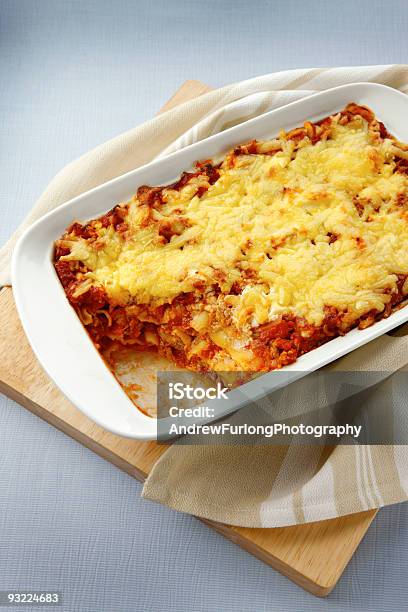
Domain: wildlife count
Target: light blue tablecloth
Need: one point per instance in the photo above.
(73, 74)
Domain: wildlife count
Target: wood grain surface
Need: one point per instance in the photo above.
(313, 556)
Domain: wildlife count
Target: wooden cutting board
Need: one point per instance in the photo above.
(314, 556)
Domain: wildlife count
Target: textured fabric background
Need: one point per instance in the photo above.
(73, 74)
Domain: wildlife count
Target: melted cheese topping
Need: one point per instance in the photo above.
(286, 223)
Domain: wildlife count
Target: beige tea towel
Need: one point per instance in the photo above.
(252, 486)
(275, 486)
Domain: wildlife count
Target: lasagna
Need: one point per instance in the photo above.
(249, 261)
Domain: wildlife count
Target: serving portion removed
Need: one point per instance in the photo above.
(251, 260)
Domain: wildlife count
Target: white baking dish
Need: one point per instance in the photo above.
(53, 328)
